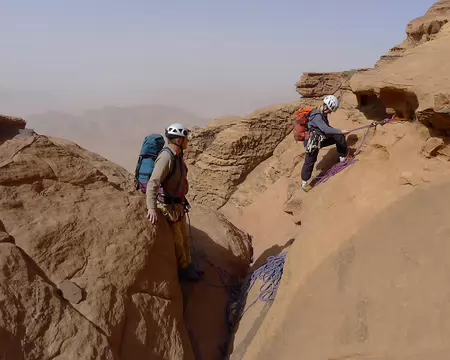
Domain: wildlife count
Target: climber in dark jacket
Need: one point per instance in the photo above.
(322, 134)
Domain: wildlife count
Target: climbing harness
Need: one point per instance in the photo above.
(314, 142)
(350, 160)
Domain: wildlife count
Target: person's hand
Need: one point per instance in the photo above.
(152, 215)
(345, 131)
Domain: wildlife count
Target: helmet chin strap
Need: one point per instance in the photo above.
(179, 146)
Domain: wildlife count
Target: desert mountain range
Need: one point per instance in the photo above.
(113, 132)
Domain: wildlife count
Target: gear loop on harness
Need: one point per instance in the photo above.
(314, 142)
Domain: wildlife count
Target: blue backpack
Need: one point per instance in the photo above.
(151, 147)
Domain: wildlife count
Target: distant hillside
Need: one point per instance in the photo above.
(113, 132)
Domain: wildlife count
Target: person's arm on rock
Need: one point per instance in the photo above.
(159, 174)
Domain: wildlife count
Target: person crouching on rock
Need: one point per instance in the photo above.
(166, 192)
(321, 135)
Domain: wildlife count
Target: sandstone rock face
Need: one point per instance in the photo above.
(226, 120)
(442, 103)
(328, 305)
(432, 147)
(389, 278)
(12, 122)
(71, 215)
(416, 84)
(319, 84)
(322, 84)
(75, 247)
(224, 254)
(10, 126)
(426, 27)
(4, 236)
(420, 30)
(286, 156)
(35, 323)
(222, 156)
(220, 241)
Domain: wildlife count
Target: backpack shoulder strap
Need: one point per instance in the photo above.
(172, 169)
(136, 172)
(313, 113)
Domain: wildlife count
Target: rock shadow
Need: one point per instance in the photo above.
(241, 348)
(207, 304)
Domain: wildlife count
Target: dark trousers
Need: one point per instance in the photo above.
(310, 159)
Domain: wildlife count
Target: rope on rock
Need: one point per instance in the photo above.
(336, 169)
(238, 289)
(270, 274)
(349, 160)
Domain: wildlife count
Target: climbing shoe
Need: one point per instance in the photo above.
(190, 273)
(306, 187)
(342, 158)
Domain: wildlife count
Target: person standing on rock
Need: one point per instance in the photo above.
(166, 194)
(321, 135)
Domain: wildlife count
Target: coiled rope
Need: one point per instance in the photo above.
(270, 274)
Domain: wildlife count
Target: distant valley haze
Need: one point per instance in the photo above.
(113, 132)
(105, 73)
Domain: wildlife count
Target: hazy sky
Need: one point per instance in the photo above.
(212, 57)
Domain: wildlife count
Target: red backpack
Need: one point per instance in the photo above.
(300, 123)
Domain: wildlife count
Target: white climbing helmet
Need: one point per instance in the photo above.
(177, 130)
(331, 102)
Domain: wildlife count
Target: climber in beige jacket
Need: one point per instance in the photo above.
(166, 194)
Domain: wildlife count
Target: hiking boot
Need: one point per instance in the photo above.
(189, 273)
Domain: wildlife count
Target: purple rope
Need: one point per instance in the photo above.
(336, 169)
(385, 121)
(361, 128)
(270, 274)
